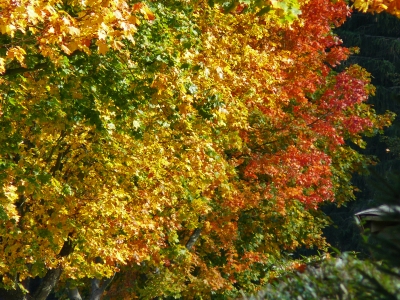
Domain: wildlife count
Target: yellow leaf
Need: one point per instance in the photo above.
(10, 193)
(148, 14)
(117, 45)
(72, 46)
(31, 12)
(119, 257)
(16, 52)
(2, 65)
(134, 20)
(65, 49)
(73, 30)
(102, 47)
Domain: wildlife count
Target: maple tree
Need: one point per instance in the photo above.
(185, 143)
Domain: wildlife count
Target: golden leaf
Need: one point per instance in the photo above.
(66, 49)
(102, 47)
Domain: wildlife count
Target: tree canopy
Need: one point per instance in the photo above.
(191, 141)
(378, 6)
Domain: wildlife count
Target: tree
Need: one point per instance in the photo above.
(195, 156)
(376, 37)
(376, 276)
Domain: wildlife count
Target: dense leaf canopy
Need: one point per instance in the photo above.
(378, 6)
(188, 141)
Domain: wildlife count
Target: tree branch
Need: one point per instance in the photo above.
(99, 286)
(49, 281)
(195, 235)
(73, 294)
(67, 248)
(193, 238)
(23, 70)
(58, 165)
(52, 276)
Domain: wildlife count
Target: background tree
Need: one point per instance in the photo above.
(376, 37)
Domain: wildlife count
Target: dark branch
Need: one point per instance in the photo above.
(99, 286)
(49, 282)
(23, 70)
(73, 294)
(193, 238)
(53, 275)
(195, 235)
(67, 248)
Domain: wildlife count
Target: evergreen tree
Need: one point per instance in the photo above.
(378, 39)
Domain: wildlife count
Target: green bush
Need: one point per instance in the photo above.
(344, 277)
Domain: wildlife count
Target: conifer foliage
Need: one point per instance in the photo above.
(187, 143)
(377, 37)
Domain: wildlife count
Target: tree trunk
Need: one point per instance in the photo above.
(99, 287)
(48, 283)
(73, 294)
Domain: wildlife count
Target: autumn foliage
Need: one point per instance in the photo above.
(182, 144)
(378, 6)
